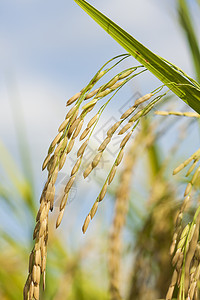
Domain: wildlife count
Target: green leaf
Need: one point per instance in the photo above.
(186, 22)
(186, 90)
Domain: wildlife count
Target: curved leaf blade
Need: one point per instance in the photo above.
(183, 88)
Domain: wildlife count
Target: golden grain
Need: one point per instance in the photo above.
(73, 127)
(90, 104)
(192, 168)
(38, 257)
(47, 159)
(71, 111)
(56, 139)
(34, 273)
(64, 201)
(38, 272)
(31, 290)
(91, 94)
(36, 291)
(51, 196)
(76, 166)
(117, 84)
(82, 148)
(73, 99)
(112, 82)
(112, 174)
(62, 160)
(188, 189)
(70, 145)
(195, 176)
(96, 159)
(86, 223)
(78, 129)
(113, 128)
(176, 257)
(65, 141)
(87, 171)
(136, 116)
(125, 139)
(54, 175)
(103, 191)
(69, 184)
(74, 116)
(35, 232)
(52, 164)
(178, 169)
(125, 74)
(125, 128)
(63, 125)
(94, 209)
(84, 134)
(143, 99)
(174, 113)
(87, 110)
(92, 121)
(119, 157)
(127, 112)
(99, 75)
(31, 259)
(104, 144)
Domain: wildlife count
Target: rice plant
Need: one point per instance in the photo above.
(92, 101)
(170, 224)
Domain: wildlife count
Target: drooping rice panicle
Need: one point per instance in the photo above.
(177, 113)
(185, 240)
(194, 157)
(104, 188)
(113, 129)
(194, 273)
(187, 194)
(62, 145)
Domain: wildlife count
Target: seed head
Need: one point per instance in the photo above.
(71, 111)
(59, 219)
(94, 209)
(88, 171)
(69, 184)
(112, 174)
(96, 159)
(91, 94)
(76, 166)
(63, 125)
(92, 121)
(70, 145)
(125, 139)
(82, 148)
(84, 134)
(73, 99)
(143, 99)
(104, 144)
(103, 191)
(89, 104)
(125, 128)
(86, 223)
(78, 129)
(113, 128)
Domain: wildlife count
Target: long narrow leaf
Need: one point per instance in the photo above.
(183, 88)
(186, 22)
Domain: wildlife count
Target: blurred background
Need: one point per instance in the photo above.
(50, 51)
